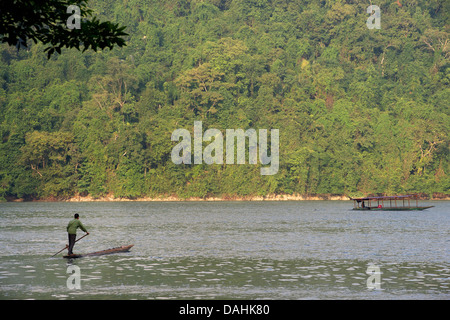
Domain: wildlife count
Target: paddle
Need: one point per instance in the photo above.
(68, 245)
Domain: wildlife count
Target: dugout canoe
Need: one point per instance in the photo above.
(100, 253)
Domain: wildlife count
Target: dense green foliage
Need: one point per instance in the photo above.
(359, 110)
(47, 21)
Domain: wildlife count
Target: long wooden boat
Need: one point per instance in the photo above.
(99, 253)
(389, 203)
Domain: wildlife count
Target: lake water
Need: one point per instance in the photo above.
(226, 250)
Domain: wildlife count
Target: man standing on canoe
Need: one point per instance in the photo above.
(72, 231)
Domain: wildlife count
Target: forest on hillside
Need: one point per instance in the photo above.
(359, 110)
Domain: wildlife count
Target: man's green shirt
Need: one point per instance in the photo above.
(73, 225)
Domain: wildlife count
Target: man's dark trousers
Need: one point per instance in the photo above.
(71, 242)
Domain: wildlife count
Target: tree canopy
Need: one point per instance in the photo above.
(359, 110)
(47, 21)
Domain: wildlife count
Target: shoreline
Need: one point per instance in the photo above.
(211, 199)
(272, 197)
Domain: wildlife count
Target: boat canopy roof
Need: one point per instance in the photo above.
(399, 197)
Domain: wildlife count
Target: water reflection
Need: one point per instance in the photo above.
(126, 276)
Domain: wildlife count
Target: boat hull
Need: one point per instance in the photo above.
(393, 209)
(100, 253)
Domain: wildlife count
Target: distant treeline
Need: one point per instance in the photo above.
(358, 110)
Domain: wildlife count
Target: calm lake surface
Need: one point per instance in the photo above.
(226, 250)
